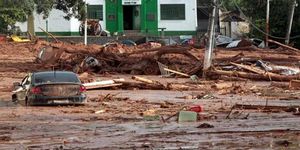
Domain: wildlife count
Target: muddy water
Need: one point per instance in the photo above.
(70, 127)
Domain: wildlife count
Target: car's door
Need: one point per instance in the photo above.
(24, 88)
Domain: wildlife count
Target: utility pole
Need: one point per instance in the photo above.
(291, 18)
(211, 43)
(85, 24)
(47, 29)
(268, 23)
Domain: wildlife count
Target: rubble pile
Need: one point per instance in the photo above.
(237, 62)
(257, 64)
(114, 57)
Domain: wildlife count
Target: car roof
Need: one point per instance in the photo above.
(53, 72)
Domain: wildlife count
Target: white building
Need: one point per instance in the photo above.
(175, 17)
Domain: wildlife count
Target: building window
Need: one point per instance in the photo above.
(172, 11)
(95, 12)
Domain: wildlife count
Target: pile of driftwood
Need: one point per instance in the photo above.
(248, 62)
(281, 64)
(115, 57)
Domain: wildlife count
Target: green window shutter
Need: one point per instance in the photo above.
(172, 11)
(95, 12)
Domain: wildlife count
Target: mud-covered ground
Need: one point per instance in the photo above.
(122, 126)
(113, 118)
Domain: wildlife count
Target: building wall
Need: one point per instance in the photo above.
(57, 24)
(190, 22)
(149, 16)
(235, 30)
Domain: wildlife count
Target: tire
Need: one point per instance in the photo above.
(14, 98)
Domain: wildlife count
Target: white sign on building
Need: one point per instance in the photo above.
(131, 2)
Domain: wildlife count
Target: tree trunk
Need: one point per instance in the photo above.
(30, 24)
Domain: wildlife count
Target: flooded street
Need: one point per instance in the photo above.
(72, 127)
(236, 115)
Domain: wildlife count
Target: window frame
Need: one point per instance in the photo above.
(94, 9)
(180, 10)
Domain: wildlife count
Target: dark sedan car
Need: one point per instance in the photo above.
(51, 87)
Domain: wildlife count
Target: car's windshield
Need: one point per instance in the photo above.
(53, 77)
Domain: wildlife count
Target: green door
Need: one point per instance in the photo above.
(114, 16)
(149, 17)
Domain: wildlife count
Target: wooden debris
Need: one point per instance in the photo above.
(102, 84)
(250, 68)
(176, 72)
(220, 86)
(146, 80)
(266, 76)
(285, 46)
(283, 85)
(294, 84)
(264, 107)
(137, 85)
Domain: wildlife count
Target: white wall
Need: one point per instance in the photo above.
(57, 23)
(75, 23)
(237, 30)
(190, 22)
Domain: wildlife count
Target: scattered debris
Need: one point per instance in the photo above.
(196, 108)
(284, 143)
(103, 84)
(294, 84)
(265, 107)
(205, 125)
(187, 116)
(297, 112)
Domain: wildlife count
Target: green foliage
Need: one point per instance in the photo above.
(72, 8)
(44, 7)
(255, 10)
(69, 7)
(12, 11)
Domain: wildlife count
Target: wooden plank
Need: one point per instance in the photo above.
(102, 86)
(176, 72)
(144, 80)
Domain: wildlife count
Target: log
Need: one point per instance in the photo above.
(285, 46)
(254, 76)
(102, 84)
(263, 107)
(176, 51)
(176, 72)
(250, 68)
(261, 72)
(165, 48)
(148, 81)
(128, 85)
